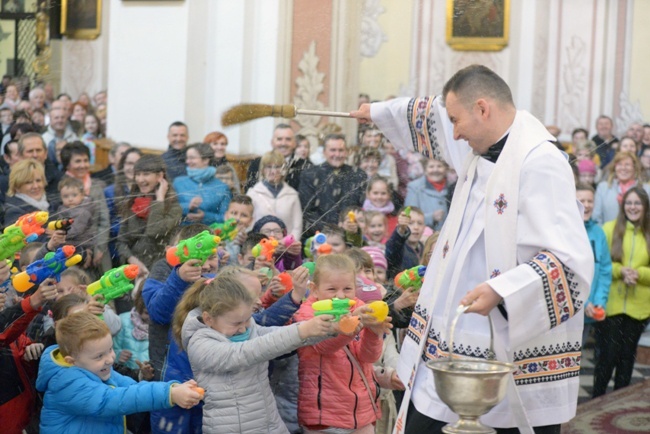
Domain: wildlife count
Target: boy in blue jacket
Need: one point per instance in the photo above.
(602, 261)
(82, 392)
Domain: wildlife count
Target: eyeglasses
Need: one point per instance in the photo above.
(272, 232)
(273, 167)
(630, 203)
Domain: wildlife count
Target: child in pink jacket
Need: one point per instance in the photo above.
(333, 393)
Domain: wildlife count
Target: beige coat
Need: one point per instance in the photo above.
(286, 206)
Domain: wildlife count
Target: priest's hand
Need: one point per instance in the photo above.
(481, 299)
(363, 114)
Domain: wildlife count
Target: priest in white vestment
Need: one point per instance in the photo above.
(514, 247)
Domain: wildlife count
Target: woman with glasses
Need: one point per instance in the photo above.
(273, 196)
(628, 305)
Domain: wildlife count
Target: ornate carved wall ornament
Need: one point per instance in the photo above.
(573, 86)
(630, 112)
(372, 36)
(309, 87)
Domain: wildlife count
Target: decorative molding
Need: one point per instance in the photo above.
(80, 66)
(372, 36)
(462, 59)
(309, 87)
(573, 95)
(630, 112)
(538, 107)
(437, 74)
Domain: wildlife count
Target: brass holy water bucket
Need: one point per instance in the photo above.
(470, 387)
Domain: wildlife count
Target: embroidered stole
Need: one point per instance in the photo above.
(501, 207)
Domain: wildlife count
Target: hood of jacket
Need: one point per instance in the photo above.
(191, 325)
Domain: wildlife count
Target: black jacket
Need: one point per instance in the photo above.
(325, 191)
(106, 175)
(175, 162)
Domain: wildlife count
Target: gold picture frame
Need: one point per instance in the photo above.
(81, 19)
(478, 25)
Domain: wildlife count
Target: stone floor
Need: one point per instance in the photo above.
(641, 372)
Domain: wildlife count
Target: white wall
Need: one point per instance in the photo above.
(147, 61)
(190, 61)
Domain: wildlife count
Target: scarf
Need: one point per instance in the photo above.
(386, 209)
(439, 186)
(141, 206)
(274, 189)
(140, 328)
(241, 337)
(201, 176)
(86, 182)
(41, 204)
(623, 187)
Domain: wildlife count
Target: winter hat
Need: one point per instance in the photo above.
(269, 219)
(587, 166)
(378, 258)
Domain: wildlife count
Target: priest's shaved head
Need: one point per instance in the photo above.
(477, 81)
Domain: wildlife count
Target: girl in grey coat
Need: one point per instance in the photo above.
(229, 355)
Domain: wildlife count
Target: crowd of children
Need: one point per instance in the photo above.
(236, 339)
(224, 341)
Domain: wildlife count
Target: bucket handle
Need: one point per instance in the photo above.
(459, 311)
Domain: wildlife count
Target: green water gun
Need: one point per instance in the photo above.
(411, 279)
(114, 283)
(200, 246)
(226, 230)
(336, 307)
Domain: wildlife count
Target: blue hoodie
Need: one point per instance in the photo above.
(77, 401)
(603, 266)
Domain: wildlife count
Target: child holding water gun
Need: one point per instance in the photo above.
(403, 249)
(229, 354)
(285, 257)
(84, 394)
(352, 220)
(339, 369)
(241, 210)
(17, 356)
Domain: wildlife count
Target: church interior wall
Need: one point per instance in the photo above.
(567, 62)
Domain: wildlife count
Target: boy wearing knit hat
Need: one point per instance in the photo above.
(379, 261)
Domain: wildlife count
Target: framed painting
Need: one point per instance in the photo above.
(478, 25)
(81, 19)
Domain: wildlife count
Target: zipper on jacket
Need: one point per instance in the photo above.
(630, 265)
(320, 388)
(356, 397)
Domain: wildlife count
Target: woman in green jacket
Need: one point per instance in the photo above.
(628, 306)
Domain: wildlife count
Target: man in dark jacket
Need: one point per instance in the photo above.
(284, 142)
(174, 157)
(107, 174)
(330, 187)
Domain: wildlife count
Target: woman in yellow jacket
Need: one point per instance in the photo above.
(628, 306)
